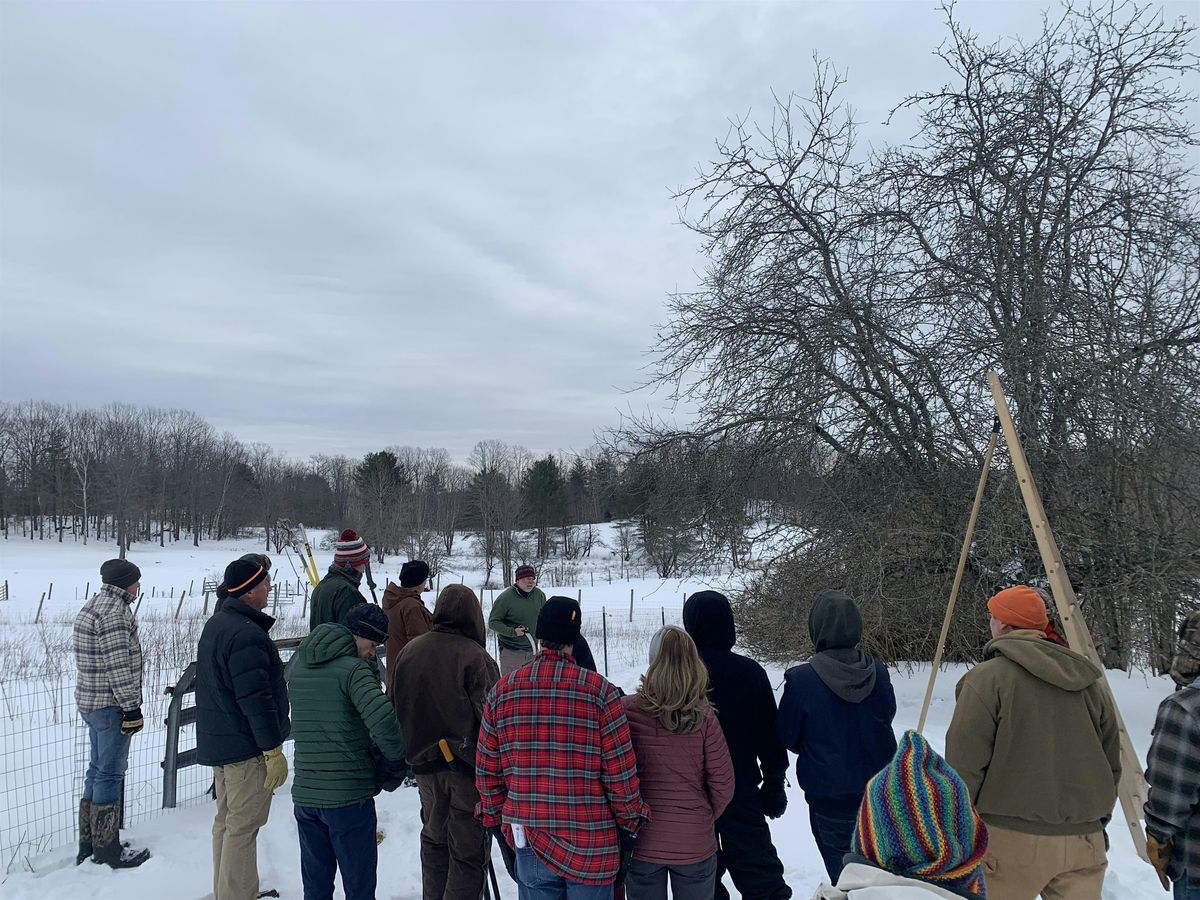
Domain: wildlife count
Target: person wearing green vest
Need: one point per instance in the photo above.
(348, 746)
(514, 619)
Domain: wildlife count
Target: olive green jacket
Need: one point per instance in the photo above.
(512, 608)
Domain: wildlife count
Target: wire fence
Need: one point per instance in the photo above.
(44, 742)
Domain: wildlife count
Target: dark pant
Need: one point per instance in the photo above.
(341, 837)
(1186, 888)
(747, 853)
(109, 755)
(536, 881)
(453, 841)
(832, 834)
(648, 880)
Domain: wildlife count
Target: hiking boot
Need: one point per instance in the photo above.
(85, 831)
(106, 839)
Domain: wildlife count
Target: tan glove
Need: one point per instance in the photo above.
(1160, 855)
(277, 769)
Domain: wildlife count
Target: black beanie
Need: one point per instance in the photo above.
(366, 620)
(241, 575)
(120, 573)
(559, 621)
(414, 573)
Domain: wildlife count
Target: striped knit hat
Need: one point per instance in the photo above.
(350, 549)
(917, 821)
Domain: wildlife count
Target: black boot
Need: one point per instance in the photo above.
(85, 831)
(106, 840)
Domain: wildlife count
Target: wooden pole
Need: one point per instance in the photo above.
(1131, 790)
(958, 573)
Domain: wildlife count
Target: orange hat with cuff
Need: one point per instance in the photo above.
(1020, 607)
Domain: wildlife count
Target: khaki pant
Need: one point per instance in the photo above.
(243, 804)
(1022, 866)
(453, 842)
(511, 660)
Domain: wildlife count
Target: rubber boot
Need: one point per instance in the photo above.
(85, 831)
(106, 839)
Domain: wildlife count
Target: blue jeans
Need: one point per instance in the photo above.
(1186, 888)
(832, 834)
(340, 837)
(109, 755)
(535, 881)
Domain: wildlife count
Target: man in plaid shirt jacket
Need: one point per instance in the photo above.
(555, 767)
(1173, 771)
(108, 694)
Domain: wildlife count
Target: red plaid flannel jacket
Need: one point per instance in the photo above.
(555, 755)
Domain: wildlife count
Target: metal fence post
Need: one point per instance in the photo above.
(604, 633)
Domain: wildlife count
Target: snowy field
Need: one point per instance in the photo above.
(43, 747)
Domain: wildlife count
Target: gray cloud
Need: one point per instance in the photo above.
(337, 226)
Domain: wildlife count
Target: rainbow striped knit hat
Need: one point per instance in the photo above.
(917, 820)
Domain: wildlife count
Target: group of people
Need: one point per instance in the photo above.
(588, 792)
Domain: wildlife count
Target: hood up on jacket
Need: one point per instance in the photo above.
(394, 593)
(708, 618)
(835, 627)
(327, 642)
(1045, 660)
(458, 612)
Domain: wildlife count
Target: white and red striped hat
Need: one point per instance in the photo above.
(350, 549)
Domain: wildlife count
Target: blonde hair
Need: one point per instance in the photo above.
(674, 689)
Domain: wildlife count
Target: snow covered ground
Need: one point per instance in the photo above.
(179, 839)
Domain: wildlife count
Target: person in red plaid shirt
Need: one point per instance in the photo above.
(555, 767)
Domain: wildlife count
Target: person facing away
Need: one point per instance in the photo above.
(108, 695)
(337, 593)
(514, 618)
(241, 724)
(340, 720)
(685, 773)
(745, 706)
(836, 716)
(406, 614)
(1173, 773)
(440, 682)
(555, 768)
(222, 591)
(1034, 736)
(916, 837)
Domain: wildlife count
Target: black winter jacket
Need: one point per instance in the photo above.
(241, 698)
(583, 654)
(741, 693)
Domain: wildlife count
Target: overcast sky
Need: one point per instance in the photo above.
(335, 227)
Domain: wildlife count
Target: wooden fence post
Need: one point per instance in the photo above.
(179, 605)
(37, 617)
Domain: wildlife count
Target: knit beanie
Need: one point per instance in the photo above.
(524, 572)
(1020, 607)
(350, 549)
(414, 573)
(120, 573)
(917, 821)
(260, 559)
(366, 620)
(559, 621)
(242, 575)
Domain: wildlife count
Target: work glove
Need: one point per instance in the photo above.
(277, 768)
(626, 840)
(132, 721)
(1160, 856)
(772, 798)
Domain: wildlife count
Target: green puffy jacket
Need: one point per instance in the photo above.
(334, 596)
(338, 713)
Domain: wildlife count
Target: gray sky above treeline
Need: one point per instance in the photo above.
(337, 226)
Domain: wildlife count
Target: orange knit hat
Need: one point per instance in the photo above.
(1020, 607)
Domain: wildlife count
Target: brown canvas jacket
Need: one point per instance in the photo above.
(441, 680)
(1034, 736)
(407, 619)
